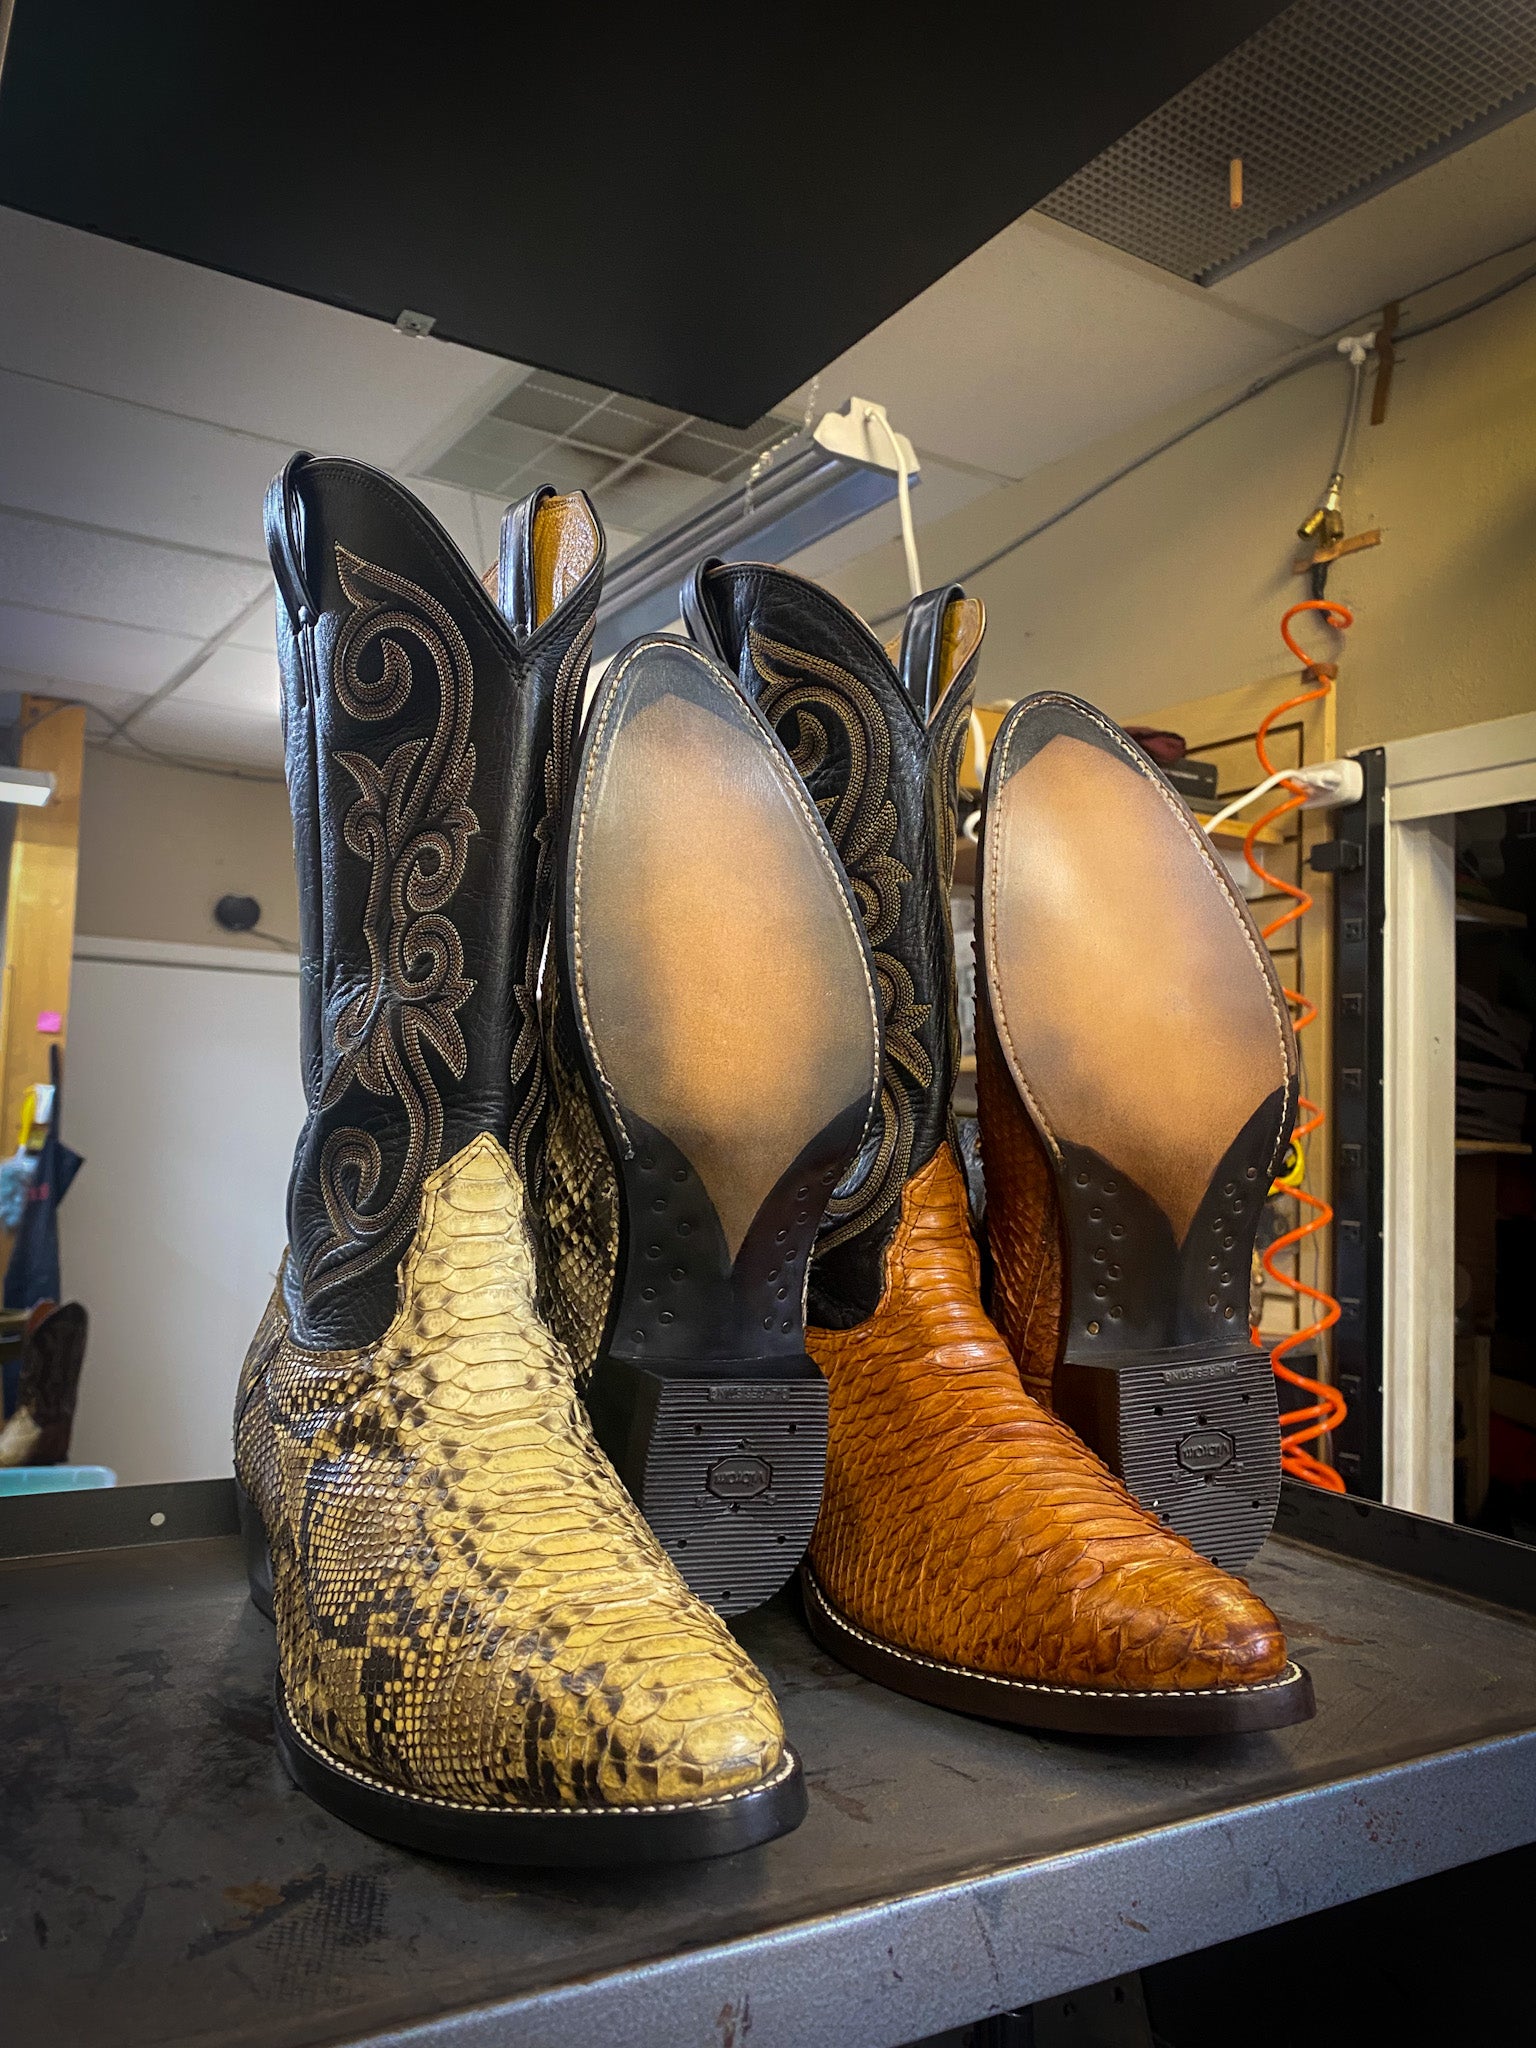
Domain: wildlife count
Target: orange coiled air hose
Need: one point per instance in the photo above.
(1301, 1426)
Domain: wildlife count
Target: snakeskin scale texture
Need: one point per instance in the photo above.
(469, 1607)
(963, 1522)
(1023, 1217)
(580, 1215)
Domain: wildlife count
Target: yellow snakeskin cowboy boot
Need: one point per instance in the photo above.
(482, 1649)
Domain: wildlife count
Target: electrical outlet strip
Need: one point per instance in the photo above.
(1330, 784)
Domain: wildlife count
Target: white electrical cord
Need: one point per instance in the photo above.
(1328, 785)
(873, 416)
(1241, 803)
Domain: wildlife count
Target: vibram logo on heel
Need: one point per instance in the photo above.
(1207, 1452)
(739, 1478)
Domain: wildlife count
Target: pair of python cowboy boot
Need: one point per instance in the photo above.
(483, 1649)
(972, 1549)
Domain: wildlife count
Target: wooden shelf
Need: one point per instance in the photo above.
(1467, 1148)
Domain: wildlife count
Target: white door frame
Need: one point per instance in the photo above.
(1428, 779)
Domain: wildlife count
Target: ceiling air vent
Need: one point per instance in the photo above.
(644, 465)
(1333, 101)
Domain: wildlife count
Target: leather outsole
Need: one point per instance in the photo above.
(1075, 1710)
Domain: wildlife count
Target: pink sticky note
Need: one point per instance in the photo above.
(50, 1021)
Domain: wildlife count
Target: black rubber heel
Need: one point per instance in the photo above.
(258, 1553)
(725, 1461)
(1196, 1439)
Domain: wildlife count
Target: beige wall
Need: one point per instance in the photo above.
(1171, 585)
(160, 845)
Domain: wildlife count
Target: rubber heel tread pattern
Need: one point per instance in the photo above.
(1197, 1443)
(727, 1471)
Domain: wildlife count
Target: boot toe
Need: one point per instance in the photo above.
(1187, 1626)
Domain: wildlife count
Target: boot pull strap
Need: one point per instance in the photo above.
(518, 597)
(697, 612)
(283, 517)
(922, 648)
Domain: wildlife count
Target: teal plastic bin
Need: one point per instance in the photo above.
(53, 1478)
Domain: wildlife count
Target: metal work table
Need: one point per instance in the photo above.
(163, 1883)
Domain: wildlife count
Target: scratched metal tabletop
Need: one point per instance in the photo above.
(162, 1882)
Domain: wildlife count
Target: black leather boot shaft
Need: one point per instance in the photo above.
(418, 726)
(879, 747)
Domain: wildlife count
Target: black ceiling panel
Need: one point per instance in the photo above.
(701, 209)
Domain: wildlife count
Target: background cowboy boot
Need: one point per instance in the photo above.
(717, 1008)
(37, 1433)
(482, 1648)
(1137, 1084)
(971, 1549)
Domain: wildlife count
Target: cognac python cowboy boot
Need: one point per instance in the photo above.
(971, 1550)
(1136, 1075)
(483, 1651)
(716, 1057)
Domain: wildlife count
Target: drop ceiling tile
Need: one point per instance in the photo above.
(112, 702)
(1042, 342)
(660, 416)
(235, 678)
(568, 387)
(112, 576)
(76, 456)
(1481, 199)
(77, 651)
(531, 405)
(512, 444)
(695, 456)
(618, 430)
(259, 631)
(125, 322)
(472, 470)
(648, 497)
(212, 733)
(567, 468)
(772, 427)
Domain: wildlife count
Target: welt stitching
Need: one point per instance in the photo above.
(1092, 1692)
(786, 1769)
(1015, 1067)
(583, 811)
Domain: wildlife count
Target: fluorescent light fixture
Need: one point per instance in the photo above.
(26, 785)
(819, 482)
